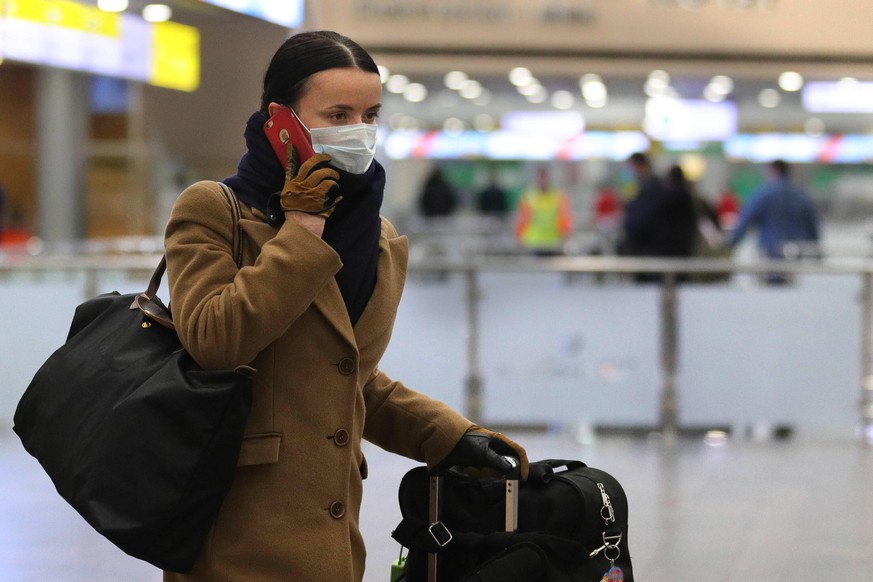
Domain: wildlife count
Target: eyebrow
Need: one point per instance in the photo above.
(344, 107)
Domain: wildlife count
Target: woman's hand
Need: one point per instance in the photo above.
(312, 189)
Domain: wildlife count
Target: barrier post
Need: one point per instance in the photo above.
(669, 344)
(866, 401)
(474, 376)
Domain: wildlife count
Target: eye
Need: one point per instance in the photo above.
(371, 116)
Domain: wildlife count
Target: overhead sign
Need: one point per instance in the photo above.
(846, 96)
(69, 35)
(513, 145)
(285, 12)
(683, 120)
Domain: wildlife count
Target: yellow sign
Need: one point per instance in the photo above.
(175, 56)
(70, 35)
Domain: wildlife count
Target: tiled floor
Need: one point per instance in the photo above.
(793, 511)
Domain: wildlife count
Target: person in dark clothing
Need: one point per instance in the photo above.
(676, 227)
(492, 200)
(438, 197)
(660, 221)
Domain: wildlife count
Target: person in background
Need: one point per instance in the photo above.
(544, 219)
(607, 219)
(786, 217)
(677, 230)
(438, 197)
(493, 200)
(660, 221)
(727, 206)
(312, 310)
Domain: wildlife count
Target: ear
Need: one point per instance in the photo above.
(273, 108)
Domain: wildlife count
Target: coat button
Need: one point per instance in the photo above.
(341, 437)
(337, 509)
(346, 366)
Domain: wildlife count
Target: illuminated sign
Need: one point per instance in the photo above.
(682, 120)
(847, 96)
(513, 145)
(285, 12)
(68, 35)
(800, 148)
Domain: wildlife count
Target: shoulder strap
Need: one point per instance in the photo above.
(145, 301)
(237, 230)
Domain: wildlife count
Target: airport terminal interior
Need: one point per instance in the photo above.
(730, 393)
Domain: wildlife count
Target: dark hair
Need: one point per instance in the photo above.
(305, 54)
(780, 167)
(639, 159)
(676, 174)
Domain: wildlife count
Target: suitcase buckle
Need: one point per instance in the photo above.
(440, 534)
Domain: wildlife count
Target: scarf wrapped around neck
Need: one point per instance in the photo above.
(354, 228)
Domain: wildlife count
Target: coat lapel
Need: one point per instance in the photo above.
(390, 278)
(329, 301)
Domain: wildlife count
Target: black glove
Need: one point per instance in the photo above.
(483, 449)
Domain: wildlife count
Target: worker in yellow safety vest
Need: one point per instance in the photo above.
(544, 219)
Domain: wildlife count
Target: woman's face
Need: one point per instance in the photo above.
(339, 97)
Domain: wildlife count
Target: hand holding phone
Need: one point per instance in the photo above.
(284, 128)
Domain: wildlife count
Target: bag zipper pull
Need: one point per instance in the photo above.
(606, 511)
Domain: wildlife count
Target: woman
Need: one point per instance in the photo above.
(311, 310)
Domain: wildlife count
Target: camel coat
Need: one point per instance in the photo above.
(292, 512)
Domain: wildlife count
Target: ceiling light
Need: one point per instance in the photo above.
(415, 93)
(157, 13)
(520, 76)
(470, 89)
(539, 96)
(769, 98)
(112, 5)
(790, 81)
(713, 95)
(659, 76)
(563, 100)
(594, 91)
(531, 88)
(455, 79)
(722, 84)
(397, 83)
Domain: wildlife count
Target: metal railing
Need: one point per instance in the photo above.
(671, 271)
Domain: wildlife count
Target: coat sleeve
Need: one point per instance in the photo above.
(224, 315)
(406, 422)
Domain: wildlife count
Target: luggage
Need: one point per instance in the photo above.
(572, 526)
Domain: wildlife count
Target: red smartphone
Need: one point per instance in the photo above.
(281, 128)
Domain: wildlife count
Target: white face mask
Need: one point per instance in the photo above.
(351, 147)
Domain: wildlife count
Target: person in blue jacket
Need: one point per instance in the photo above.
(783, 212)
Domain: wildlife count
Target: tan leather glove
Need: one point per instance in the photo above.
(313, 188)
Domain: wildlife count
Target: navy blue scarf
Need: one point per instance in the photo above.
(354, 228)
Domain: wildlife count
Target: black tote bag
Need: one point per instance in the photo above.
(135, 436)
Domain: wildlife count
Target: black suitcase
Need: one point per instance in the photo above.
(567, 523)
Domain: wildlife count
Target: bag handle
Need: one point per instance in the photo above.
(145, 301)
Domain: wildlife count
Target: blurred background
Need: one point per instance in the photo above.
(106, 115)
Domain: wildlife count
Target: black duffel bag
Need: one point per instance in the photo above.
(135, 436)
(572, 527)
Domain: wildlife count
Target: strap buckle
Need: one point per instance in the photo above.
(440, 534)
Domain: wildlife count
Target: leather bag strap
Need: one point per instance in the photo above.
(145, 301)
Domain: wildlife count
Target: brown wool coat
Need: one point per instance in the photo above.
(292, 512)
